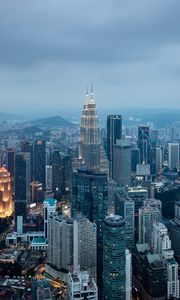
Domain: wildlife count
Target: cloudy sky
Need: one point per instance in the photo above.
(51, 49)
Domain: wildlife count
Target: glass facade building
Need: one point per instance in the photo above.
(114, 274)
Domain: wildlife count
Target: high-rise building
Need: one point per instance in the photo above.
(114, 274)
(49, 181)
(114, 132)
(122, 162)
(124, 206)
(26, 146)
(90, 196)
(74, 246)
(135, 158)
(175, 231)
(143, 143)
(22, 193)
(61, 173)
(138, 195)
(37, 195)
(173, 158)
(10, 161)
(49, 209)
(128, 275)
(6, 198)
(89, 136)
(80, 287)
(148, 215)
(40, 162)
(159, 159)
(162, 245)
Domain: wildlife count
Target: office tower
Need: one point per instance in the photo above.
(161, 241)
(22, 187)
(10, 161)
(90, 196)
(28, 147)
(112, 186)
(175, 231)
(138, 195)
(114, 132)
(57, 172)
(114, 274)
(149, 273)
(162, 245)
(128, 275)
(49, 181)
(74, 246)
(135, 158)
(124, 206)
(147, 217)
(61, 173)
(49, 209)
(80, 287)
(89, 136)
(37, 195)
(173, 156)
(40, 162)
(122, 163)
(143, 143)
(6, 198)
(159, 159)
(153, 203)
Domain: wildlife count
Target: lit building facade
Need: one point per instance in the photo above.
(90, 136)
(6, 198)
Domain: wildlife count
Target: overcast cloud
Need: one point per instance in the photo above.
(50, 50)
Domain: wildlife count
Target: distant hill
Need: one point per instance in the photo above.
(8, 117)
(56, 121)
(160, 120)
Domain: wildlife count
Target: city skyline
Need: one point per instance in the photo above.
(128, 50)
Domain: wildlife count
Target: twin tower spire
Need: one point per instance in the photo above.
(90, 134)
(89, 96)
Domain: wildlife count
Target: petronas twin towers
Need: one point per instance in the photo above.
(90, 135)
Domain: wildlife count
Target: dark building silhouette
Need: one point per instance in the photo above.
(90, 196)
(10, 160)
(40, 162)
(28, 147)
(114, 132)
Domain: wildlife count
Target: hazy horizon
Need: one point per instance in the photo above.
(50, 51)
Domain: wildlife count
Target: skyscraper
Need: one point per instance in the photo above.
(122, 162)
(26, 146)
(90, 196)
(173, 158)
(40, 162)
(114, 132)
(143, 143)
(124, 206)
(74, 247)
(22, 185)
(89, 136)
(114, 274)
(10, 160)
(6, 198)
(148, 215)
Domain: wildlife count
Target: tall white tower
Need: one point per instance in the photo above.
(89, 135)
